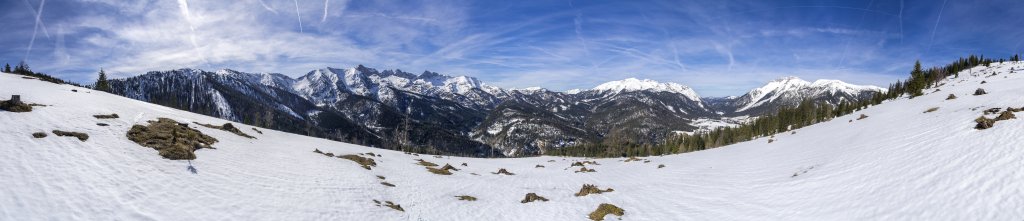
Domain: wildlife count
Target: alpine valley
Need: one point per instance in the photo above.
(460, 115)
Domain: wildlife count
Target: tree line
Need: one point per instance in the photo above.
(785, 119)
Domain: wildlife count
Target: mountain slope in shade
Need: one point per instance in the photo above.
(460, 115)
(897, 164)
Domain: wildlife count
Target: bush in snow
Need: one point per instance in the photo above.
(503, 171)
(980, 91)
(931, 110)
(39, 134)
(530, 197)
(862, 116)
(984, 123)
(951, 97)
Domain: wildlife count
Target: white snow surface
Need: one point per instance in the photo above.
(633, 84)
(780, 87)
(897, 164)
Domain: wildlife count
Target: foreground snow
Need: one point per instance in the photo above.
(898, 164)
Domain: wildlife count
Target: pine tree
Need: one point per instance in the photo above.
(7, 68)
(101, 83)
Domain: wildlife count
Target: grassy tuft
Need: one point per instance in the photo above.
(366, 163)
(605, 209)
(79, 135)
(530, 197)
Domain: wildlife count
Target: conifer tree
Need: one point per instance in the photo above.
(7, 68)
(101, 83)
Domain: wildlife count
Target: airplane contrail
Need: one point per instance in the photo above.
(936, 27)
(267, 7)
(183, 6)
(35, 29)
(298, 15)
(325, 11)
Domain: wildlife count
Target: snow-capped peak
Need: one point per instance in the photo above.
(789, 86)
(633, 84)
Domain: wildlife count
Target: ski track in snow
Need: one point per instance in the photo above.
(898, 164)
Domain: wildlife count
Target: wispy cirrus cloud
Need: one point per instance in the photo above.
(718, 47)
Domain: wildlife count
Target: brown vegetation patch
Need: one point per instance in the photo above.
(439, 171)
(951, 97)
(387, 184)
(79, 135)
(585, 170)
(633, 159)
(538, 166)
(102, 124)
(980, 91)
(984, 123)
(465, 165)
(591, 189)
(257, 130)
(530, 197)
(390, 205)
(862, 116)
(605, 209)
(173, 140)
(227, 127)
(366, 163)
(466, 198)
(426, 163)
(1006, 115)
(583, 163)
(106, 116)
(931, 110)
(39, 134)
(992, 110)
(661, 166)
(503, 171)
(15, 106)
(449, 167)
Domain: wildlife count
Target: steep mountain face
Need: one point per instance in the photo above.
(256, 99)
(790, 91)
(461, 115)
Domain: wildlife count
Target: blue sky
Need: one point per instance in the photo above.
(717, 47)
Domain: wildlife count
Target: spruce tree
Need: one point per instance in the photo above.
(101, 83)
(7, 68)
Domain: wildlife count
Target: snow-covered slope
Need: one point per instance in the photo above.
(633, 84)
(787, 91)
(897, 164)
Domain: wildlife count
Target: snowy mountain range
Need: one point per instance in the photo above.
(461, 115)
(910, 159)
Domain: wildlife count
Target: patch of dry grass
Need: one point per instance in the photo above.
(366, 163)
(931, 110)
(605, 209)
(426, 163)
(173, 140)
(106, 116)
(81, 136)
(531, 197)
(466, 198)
(39, 134)
(591, 189)
(503, 171)
(229, 128)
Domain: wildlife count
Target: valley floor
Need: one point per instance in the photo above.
(898, 164)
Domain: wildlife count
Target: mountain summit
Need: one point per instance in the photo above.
(461, 115)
